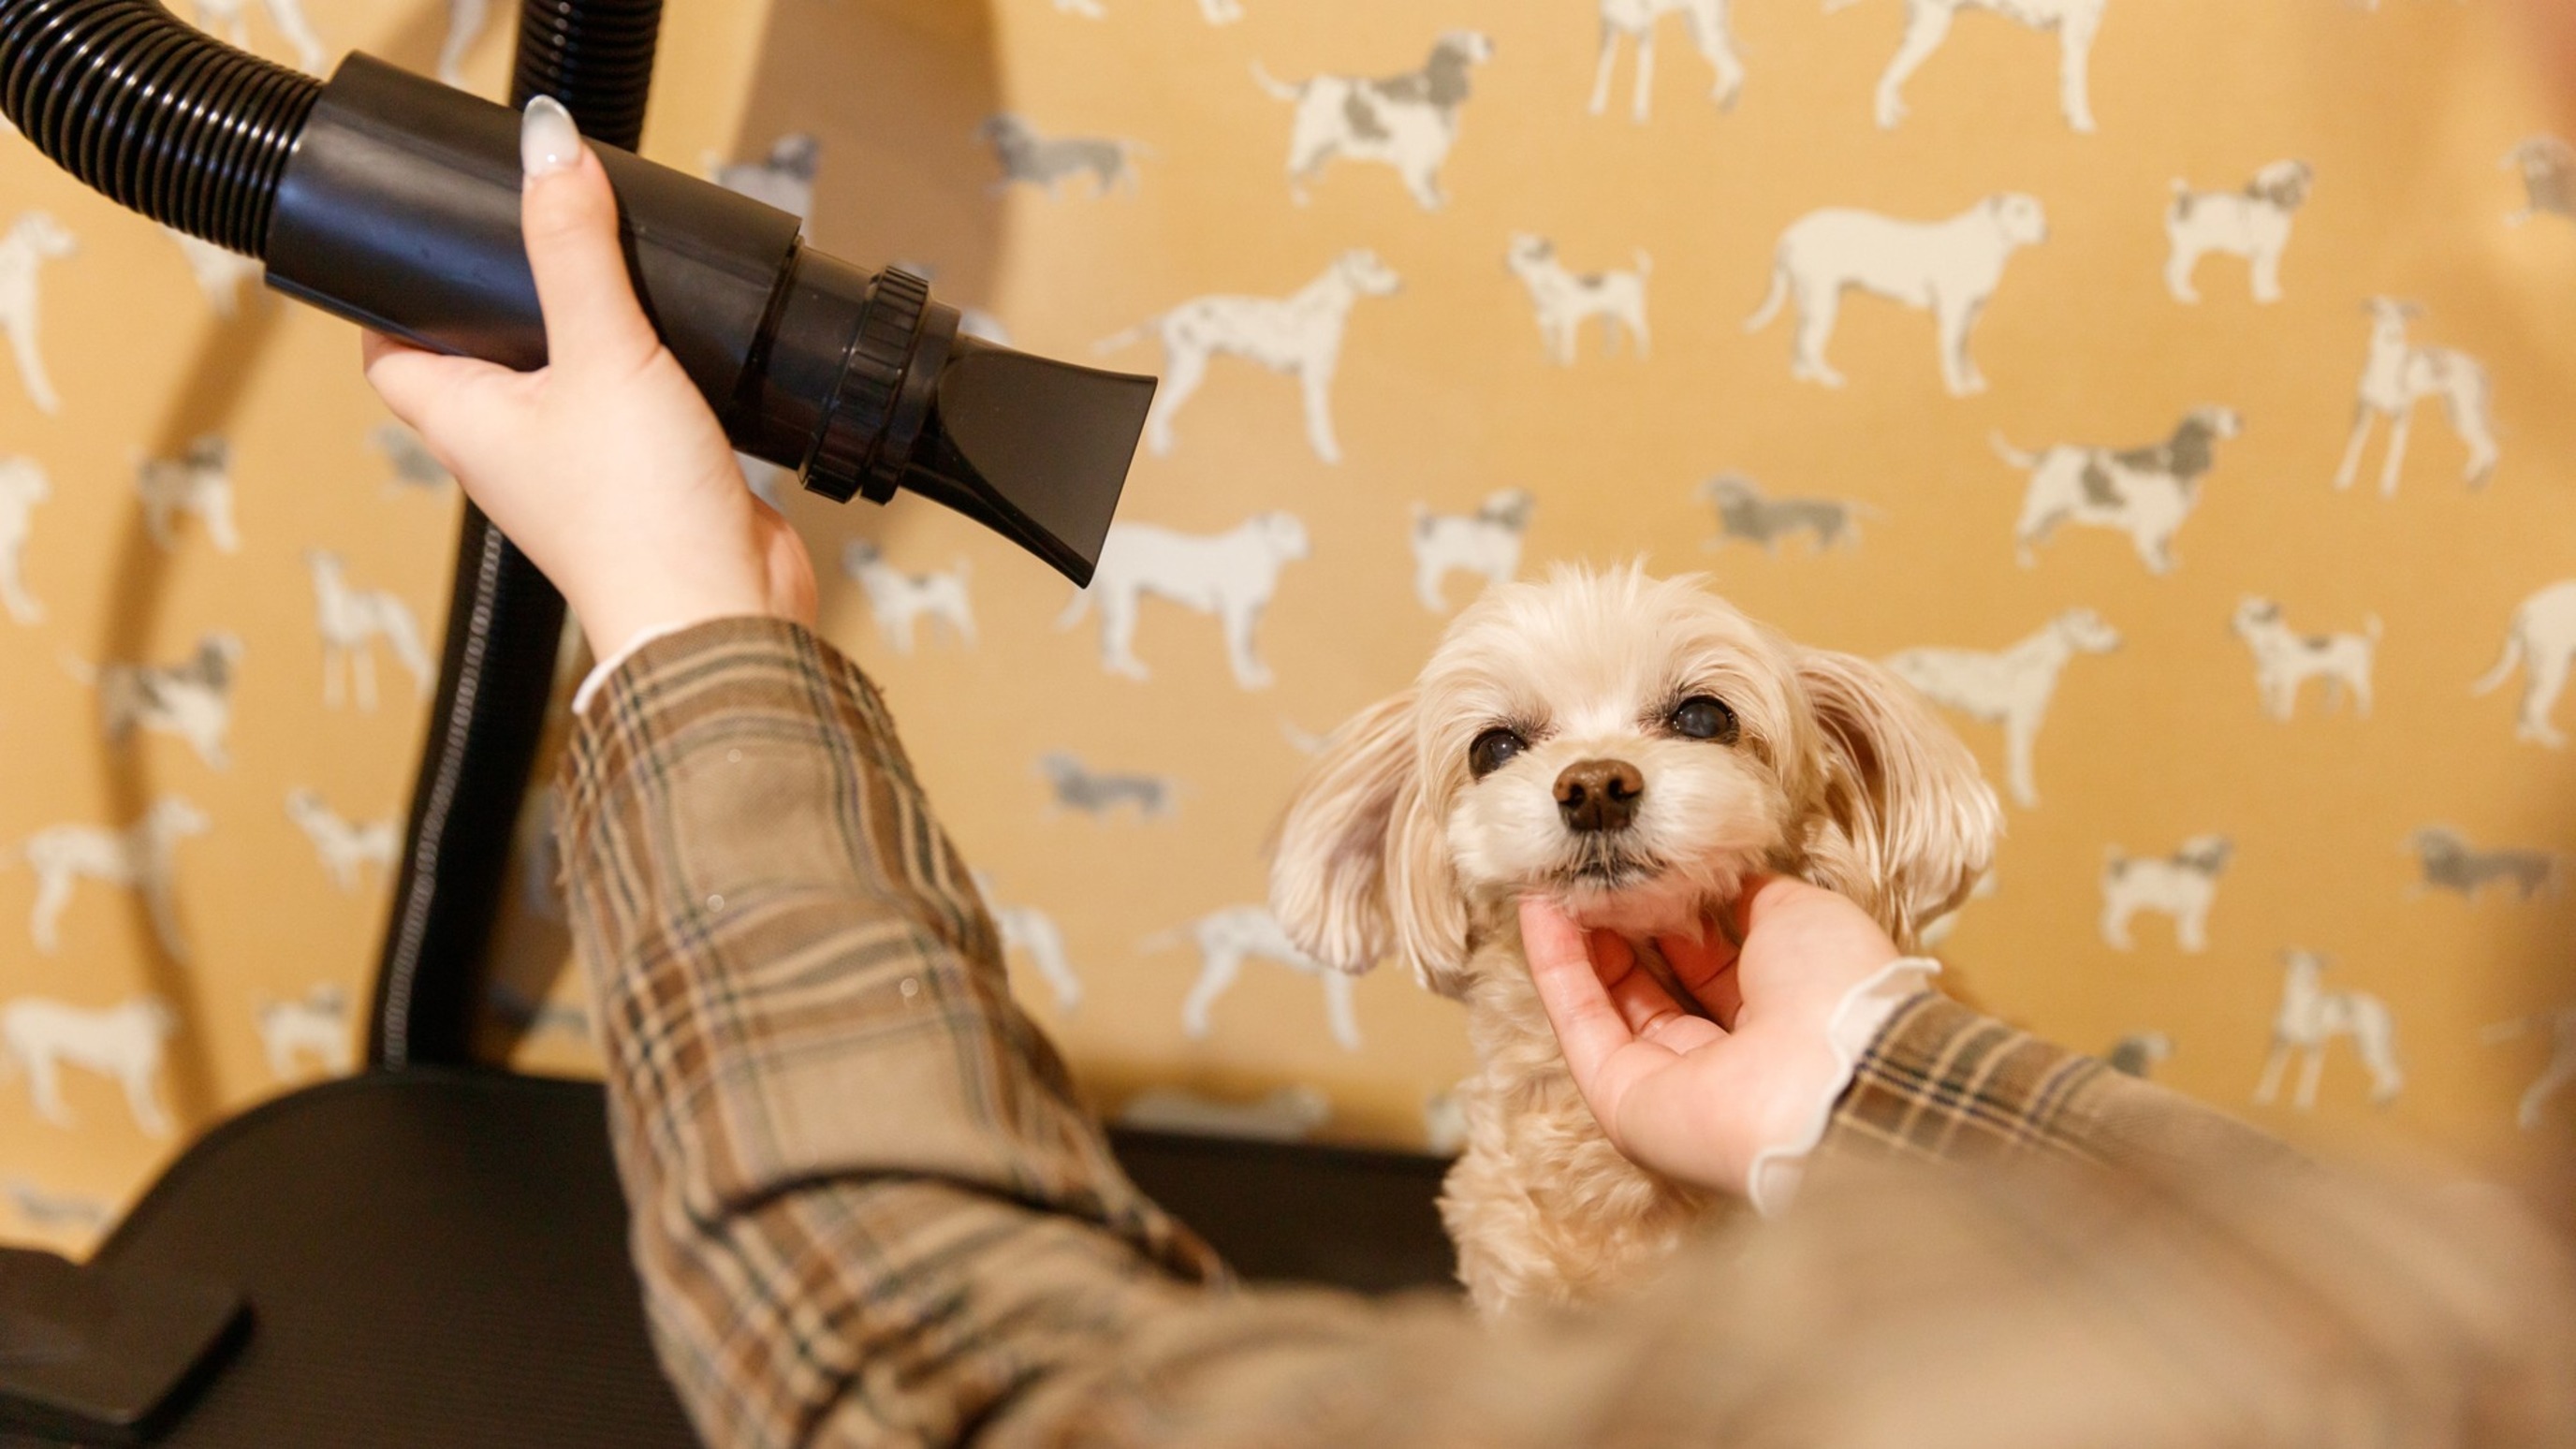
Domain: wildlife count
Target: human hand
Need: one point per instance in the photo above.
(605, 466)
(1690, 1097)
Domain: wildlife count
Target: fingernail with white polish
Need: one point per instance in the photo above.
(548, 140)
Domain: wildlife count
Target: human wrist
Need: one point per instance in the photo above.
(1823, 1055)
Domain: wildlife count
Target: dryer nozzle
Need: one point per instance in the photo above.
(398, 207)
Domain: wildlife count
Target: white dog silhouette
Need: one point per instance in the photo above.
(2311, 1017)
(198, 482)
(1927, 24)
(349, 619)
(1300, 335)
(38, 1036)
(341, 845)
(34, 240)
(1231, 575)
(898, 598)
(1636, 19)
(23, 485)
(2541, 638)
(2285, 659)
(2010, 687)
(1227, 938)
(2253, 223)
(1950, 268)
(316, 1026)
(192, 699)
(140, 857)
(2395, 377)
(1408, 121)
(1565, 299)
(2181, 885)
(1485, 542)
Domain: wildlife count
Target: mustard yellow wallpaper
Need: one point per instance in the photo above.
(2174, 393)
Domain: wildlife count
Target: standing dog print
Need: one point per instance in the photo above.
(1745, 513)
(1407, 121)
(900, 599)
(2010, 687)
(350, 620)
(2395, 377)
(2145, 492)
(23, 485)
(1486, 542)
(142, 857)
(1101, 793)
(1227, 938)
(344, 846)
(32, 241)
(1927, 24)
(191, 699)
(2285, 659)
(197, 484)
(314, 1026)
(2445, 861)
(1028, 157)
(1636, 20)
(1231, 575)
(2548, 167)
(122, 1043)
(1949, 268)
(2309, 1020)
(2252, 222)
(2181, 885)
(2541, 638)
(1565, 300)
(1300, 335)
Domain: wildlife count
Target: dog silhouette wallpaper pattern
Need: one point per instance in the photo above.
(2228, 520)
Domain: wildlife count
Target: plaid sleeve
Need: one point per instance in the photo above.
(851, 1157)
(1944, 1081)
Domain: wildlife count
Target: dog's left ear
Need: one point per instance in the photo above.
(1908, 822)
(1359, 868)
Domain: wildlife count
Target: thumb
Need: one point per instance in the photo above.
(568, 217)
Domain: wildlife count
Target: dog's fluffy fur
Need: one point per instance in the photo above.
(1391, 847)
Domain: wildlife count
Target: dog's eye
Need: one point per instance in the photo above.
(1492, 750)
(1705, 717)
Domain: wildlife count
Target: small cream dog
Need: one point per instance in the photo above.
(1632, 748)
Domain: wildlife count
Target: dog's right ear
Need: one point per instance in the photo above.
(1359, 870)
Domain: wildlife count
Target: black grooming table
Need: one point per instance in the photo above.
(436, 1258)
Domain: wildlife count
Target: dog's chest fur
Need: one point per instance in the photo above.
(1545, 1212)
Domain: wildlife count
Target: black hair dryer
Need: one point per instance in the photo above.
(392, 200)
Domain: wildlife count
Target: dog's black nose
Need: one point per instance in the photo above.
(1599, 794)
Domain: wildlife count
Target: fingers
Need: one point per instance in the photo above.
(568, 216)
(1589, 1028)
(414, 382)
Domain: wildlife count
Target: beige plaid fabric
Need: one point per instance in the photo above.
(870, 1208)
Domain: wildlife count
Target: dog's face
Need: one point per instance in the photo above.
(1725, 489)
(223, 648)
(1284, 536)
(1472, 46)
(2391, 313)
(1509, 507)
(1002, 128)
(176, 816)
(2285, 183)
(1630, 748)
(796, 154)
(1530, 252)
(2219, 422)
(2253, 614)
(49, 238)
(2087, 631)
(1367, 275)
(2019, 218)
(210, 452)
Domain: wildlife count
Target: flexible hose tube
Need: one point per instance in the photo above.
(163, 118)
(595, 56)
